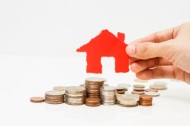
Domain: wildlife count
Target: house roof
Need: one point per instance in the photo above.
(105, 41)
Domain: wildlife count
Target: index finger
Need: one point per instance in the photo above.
(160, 36)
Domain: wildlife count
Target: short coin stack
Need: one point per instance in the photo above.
(159, 85)
(152, 92)
(138, 89)
(92, 102)
(121, 90)
(54, 97)
(75, 95)
(145, 100)
(126, 101)
(108, 95)
(93, 85)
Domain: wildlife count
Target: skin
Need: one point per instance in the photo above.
(163, 54)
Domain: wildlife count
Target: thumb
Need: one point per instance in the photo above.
(146, 50)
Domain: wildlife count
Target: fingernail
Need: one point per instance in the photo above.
(131, 49)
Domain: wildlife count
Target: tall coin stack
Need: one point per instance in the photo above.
(108, 95)
(93, 85)
(54, 97)
(75, 95)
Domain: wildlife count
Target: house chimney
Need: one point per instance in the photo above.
(121, 36)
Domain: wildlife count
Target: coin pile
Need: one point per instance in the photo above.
(159, 85)
(92, 102)
(127, 101)
(138, 89)
(94, 93)
(75, 95)
(93, 85)
(54, 97)
(108, 95)
(145, 100)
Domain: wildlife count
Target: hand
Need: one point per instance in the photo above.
(164, 54)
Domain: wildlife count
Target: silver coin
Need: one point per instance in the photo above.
(153, 94)
(95, 79)
(75, 89)
(54, 92)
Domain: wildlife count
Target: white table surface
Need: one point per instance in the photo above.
(24, 77)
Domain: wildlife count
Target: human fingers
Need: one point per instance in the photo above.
(132, 60)
(149, 50)
(160, 36)
(150, 63)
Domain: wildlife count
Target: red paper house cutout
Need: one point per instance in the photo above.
(106, 44)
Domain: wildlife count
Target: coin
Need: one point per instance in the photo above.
(138, 86)
(59, 88)
(93, 85)
(54, 97)
(108, 95)
(138, 92)
(37, 99)
(145, 100)
(95, 79)
(153, 94)
(135, 96)
(124, 85)
(75, 95)
(151, 90)
(121, 92)
(92, 102)
(158, 87)
(127, 101)
(75, 89)
(138, 89)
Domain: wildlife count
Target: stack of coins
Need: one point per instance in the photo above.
(108, 95)
(127, 101)
(159, 85)
(152, 92)
(121, 90)
(93, 102)
(138, 89)
(145, 100)
(75, 95)
(135, 96)
(93, 85)
(54, 97)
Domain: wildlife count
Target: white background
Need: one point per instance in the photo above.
(38, 39)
